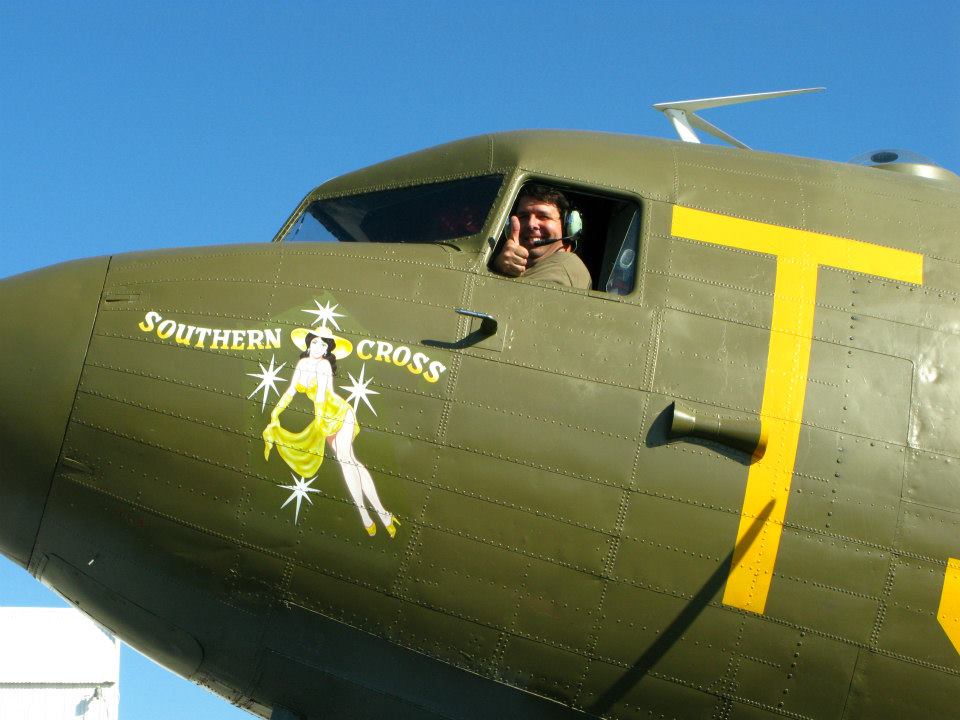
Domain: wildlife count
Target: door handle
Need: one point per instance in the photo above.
(488, 323)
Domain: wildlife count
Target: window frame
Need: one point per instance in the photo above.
(511, 190)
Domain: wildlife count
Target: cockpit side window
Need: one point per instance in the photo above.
(619, 270)
(429, 213)
(609, 241)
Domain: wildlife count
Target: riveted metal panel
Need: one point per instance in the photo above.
(885, 686)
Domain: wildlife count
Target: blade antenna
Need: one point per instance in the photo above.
(684, 118)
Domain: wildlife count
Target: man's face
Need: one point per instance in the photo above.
(539, 220)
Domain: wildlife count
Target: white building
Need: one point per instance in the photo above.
(57, 664)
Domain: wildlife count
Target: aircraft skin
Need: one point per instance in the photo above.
(557, 552)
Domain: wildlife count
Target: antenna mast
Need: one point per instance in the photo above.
(684, 119)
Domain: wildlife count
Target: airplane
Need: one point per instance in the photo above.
(354, 472)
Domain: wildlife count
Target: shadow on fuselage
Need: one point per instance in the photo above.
(673, 632)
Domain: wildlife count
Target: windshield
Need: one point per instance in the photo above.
(418, 214)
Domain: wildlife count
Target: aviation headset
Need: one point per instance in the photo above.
(572, 226)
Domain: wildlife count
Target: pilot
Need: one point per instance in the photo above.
(542, 238)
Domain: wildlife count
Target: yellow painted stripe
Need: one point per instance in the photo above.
(770, 477)
(803, 245)
(799, 255)
(949, 611)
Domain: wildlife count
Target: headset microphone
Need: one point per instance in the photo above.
(547, 241)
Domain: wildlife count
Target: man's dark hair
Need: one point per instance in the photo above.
(544, 193)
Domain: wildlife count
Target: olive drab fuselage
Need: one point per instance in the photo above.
(545, 504)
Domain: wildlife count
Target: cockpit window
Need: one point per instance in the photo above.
(417, 214)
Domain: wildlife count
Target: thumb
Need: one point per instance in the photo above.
(514, 237)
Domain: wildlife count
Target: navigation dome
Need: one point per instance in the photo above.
(904, 161)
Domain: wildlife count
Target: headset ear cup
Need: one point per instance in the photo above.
(572, 224)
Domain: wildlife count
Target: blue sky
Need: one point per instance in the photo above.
(132, 125)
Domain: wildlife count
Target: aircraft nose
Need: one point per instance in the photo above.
(46, 319)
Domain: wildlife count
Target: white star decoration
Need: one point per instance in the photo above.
(300, 491)
(325, 314)
(359, 390)
(268, 381)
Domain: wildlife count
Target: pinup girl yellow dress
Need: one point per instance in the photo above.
(303, 451)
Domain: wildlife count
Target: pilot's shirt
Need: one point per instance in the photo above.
(565, 268)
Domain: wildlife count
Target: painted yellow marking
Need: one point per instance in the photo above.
(799, 255)
(949, 611)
